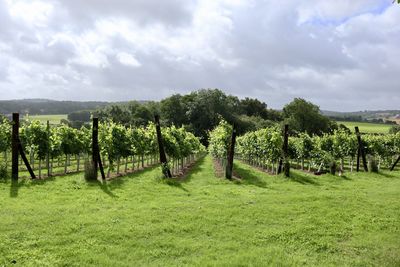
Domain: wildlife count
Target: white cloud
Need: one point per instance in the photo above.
(337, 54)
(128, 59)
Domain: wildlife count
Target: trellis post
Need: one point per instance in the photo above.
(163, 157)
(361, 151)
(231, 154)
(285, 147)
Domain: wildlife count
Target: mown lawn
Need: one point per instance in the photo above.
(366, 127)
(140, 220)
(53, 119)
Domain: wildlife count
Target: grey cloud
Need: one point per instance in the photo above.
(258, 50)
(171, 12)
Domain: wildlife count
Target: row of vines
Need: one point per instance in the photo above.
(263, 148)
(127, 148)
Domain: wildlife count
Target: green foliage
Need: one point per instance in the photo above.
(219, 140)
(199, 112)
(265, 144)
(303, 116)
(5, 135)
(394, 129)
(4, 174)
(81, 116)
(34, 136)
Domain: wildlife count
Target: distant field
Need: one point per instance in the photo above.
(366, 127)
(54, 119)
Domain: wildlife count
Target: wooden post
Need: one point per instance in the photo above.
(17, 150)
(285, 147)
(95, 143)
(28, 166)
(14, 146)
(394, 165)
(361, 151)
(231, 154)
(358, 158)
(48, 150)
(163, 157)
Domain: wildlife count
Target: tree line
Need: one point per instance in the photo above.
(201, 111)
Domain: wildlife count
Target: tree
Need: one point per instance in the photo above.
(173, 110)
(254, 107)
(304, 116)
(82, 116)
(395, 128)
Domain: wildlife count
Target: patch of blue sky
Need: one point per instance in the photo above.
(324, 21)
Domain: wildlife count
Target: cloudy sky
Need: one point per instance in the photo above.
(343, 55)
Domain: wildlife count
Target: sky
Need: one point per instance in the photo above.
(341, 55)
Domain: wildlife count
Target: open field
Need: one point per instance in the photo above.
(204, 221)
(54, 119)
(366, 127)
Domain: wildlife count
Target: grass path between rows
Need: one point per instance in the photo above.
(142, 220)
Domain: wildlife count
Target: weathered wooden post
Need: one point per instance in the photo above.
(231, 154)
(17, 149)
(14, 146)
(163, 158)
(394, 165)
(96, 159)
(95, 144)
(48, 150)
(360, 151)
(284, 148)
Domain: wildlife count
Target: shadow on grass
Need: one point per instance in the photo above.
(345, 177)
(302, 178)
(178, 182)
(196, 168)
(14, 189)
(387, 175)
(107, 186)
(248, 178)
(174, 183)
(103, 186)
(26, 182)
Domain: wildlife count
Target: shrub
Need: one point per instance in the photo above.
(3, 172)
(90, 171)
(372, 164)
(286, 168)
(332, 167)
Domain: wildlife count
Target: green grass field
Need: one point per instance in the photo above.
(54, 119)
(366, 127)
(141, 220)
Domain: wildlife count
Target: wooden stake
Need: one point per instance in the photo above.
(28, 166)
(96, 158)
(285, 147)
(163, 157)
(361, 151)
(394, 165)
(14, 146)
(48, 150)
(95, 144)
(231, 154)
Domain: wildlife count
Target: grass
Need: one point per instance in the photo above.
(54, 119)
(263, 220)
(366, 127)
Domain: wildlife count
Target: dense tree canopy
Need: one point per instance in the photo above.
(199, 112)
(304, 116)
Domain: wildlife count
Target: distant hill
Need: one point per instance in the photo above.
(379, 116)
(45, 106)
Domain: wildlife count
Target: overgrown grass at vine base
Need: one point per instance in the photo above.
(141, 220)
